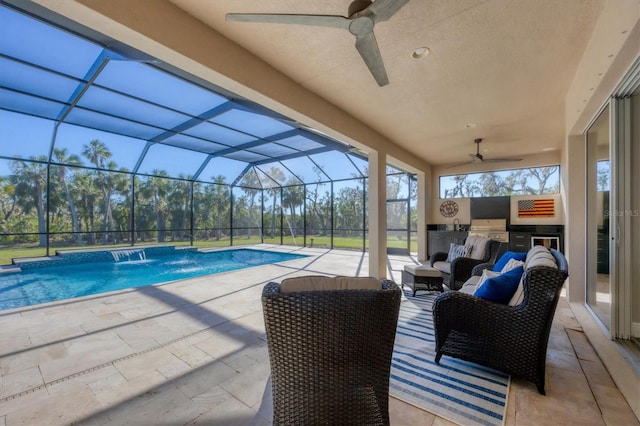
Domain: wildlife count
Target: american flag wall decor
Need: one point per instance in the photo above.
(536, 208)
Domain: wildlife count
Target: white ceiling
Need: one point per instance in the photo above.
(502, 67)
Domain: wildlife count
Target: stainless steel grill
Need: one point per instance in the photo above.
(496, 229)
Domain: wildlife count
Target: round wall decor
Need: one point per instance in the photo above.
(449, 208)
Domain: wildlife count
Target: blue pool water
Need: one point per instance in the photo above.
(41, 285)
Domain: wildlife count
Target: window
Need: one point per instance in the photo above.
(529, 181)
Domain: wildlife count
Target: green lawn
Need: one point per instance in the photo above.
(7, 253)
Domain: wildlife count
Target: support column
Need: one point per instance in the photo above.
(377, 215)
(574, 189)
(422, 216)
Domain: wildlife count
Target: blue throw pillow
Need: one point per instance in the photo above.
(500, 289)
(506, 257)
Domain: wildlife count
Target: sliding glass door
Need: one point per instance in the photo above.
(613, 211)
(599, 250)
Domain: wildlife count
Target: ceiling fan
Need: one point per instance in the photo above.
(479, 158)
(363, 15)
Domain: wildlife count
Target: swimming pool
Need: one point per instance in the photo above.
(48, 284)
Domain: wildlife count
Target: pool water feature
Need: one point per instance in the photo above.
(48, 284)
(119, 255)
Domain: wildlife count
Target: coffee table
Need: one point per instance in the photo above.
(422, 277)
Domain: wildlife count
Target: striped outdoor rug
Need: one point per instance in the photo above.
(459, 391)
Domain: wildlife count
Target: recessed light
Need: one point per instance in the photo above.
(420, 52)
(470, 125)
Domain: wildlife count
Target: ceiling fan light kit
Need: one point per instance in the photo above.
(363, 16)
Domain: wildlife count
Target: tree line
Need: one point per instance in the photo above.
(89, 199)
(529, 181)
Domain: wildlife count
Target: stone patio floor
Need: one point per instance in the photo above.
(194, 352)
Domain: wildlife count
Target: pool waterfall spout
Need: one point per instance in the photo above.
(125, 255)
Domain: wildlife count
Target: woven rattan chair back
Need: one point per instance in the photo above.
(330, 353)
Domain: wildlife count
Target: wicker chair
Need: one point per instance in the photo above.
(330, 353)
(457, 272)
(512, 339)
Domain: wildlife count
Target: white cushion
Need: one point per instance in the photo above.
(536, 249)
(539, 256)
(318, 282)
(471, 240)
(486, 274)
(469, 287)
(420, 270)
(443, 266)
(518, 296)
(479, 246)
(512, 263)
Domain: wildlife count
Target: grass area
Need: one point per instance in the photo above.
(7, 254)
(10, 252)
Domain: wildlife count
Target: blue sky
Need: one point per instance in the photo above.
(134, 99)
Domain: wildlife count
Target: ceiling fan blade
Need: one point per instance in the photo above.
(368, 48)
(476, 160)
(495, 160)
(451, 166)
(385, 9)
(333, 21)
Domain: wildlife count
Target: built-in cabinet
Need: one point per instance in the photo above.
(519, 241)
(520, 238)
(523, 237)
(439, 241)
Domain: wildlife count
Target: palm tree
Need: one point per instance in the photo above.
(278, 175)
(109, 180)
(30, 189)
(250, 184)
(84, 183)
(62, 157)
(179, 200)
(157, 188)
(121, 215)
(293, 196)
(98, 154)
(221, 197)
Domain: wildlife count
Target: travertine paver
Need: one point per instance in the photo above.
(195, 352)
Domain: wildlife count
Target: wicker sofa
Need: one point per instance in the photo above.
(455, 273)
(330, 345)
(509, 337)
